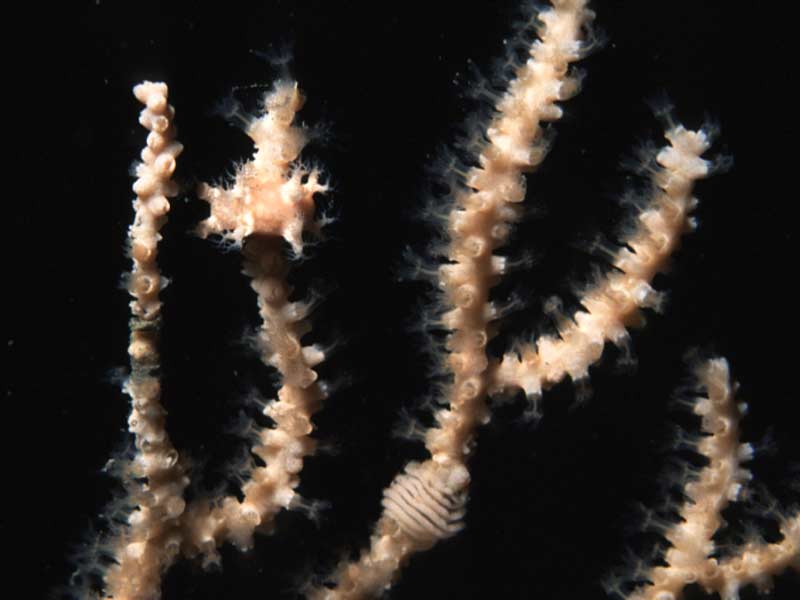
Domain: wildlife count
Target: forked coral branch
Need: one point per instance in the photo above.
(691, 556)
(265, 212)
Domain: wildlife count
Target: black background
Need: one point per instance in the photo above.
(554, 507)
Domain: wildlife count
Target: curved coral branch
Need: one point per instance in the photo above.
(612, 304)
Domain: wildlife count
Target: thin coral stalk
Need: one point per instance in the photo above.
(689, 558)
(147, 547)
(272, 198)
(612, 304)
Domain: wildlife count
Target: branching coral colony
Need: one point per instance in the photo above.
(266, 210)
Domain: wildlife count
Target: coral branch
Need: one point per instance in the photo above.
(480, 220)
(689, 558)
(612, 304)
(426, 502)
(152, 541)
(272, 198)
(756, 563)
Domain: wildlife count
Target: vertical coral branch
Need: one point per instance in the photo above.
(689, 558)
(152, 540)
(272, 197)
(426, 502)
(484, 210)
